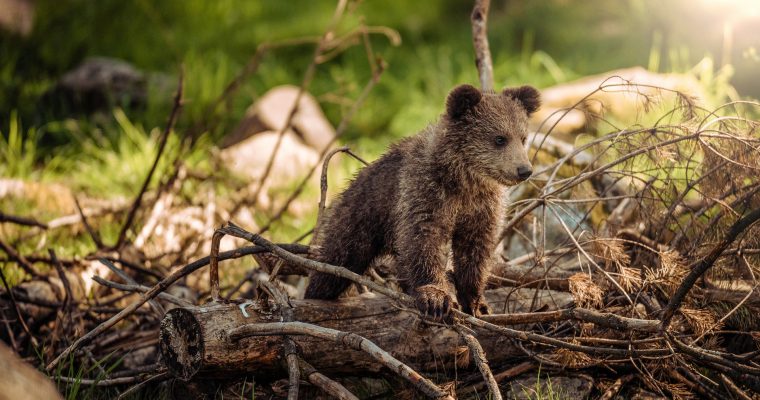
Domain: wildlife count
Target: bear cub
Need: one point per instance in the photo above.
(437, 194)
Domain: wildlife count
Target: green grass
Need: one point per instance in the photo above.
(98, 371)
(542, 389)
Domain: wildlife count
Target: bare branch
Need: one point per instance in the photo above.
(153, 292)
(481, 362)
(25, 221)
(479, 21)
(328, 385)
(347, 339)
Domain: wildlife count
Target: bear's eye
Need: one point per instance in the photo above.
(524, 139)
(500, 140)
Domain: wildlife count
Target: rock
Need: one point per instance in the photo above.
(176, 228)
(98, 84)
(249, 159)
(17, 16)
(21, 381)
(271, 112)
(51, 197)
(620, 101)
(559, 120)
(530, 386)
(50, 291)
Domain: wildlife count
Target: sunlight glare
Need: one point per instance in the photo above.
(736, 8)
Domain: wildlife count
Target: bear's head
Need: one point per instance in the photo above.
(489, 131)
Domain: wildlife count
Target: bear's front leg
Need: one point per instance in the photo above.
(473, 243)
(422, 250)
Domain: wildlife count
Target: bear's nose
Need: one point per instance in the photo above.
(524, 172)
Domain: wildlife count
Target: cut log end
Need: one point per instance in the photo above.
(181, 343)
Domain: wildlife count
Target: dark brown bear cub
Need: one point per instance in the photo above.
(437, 193)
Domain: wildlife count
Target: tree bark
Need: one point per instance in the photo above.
(194, 341)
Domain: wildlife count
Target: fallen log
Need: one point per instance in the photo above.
(195, 341)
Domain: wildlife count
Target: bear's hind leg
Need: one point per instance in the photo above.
(354, 251)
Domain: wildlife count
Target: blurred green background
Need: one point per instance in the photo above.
(540, 42)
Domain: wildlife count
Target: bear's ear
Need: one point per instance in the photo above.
(528, 96)
(461, 99)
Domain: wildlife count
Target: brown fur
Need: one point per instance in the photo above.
(436, 193)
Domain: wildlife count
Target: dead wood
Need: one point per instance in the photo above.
(193, 340)
(25, 221)
(149, 295)
(328, 385)
(700, 267)
(479, 358)
(348, 339)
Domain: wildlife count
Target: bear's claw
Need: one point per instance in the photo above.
(476, 307)
(434, 302)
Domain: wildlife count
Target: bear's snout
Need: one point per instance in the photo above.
(524, 172)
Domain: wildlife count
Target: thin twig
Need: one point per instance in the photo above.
(93, 234)
(734, 388)
(67, 301)
(213, 272)
(25, 221)
(161, 145)
(101, 382)
(501, 376)
(20, 317)
(338, 133)
(305, 82)
(328, 385)
(608, 320)
(348, 339)
(19, 259)
(161, 376)
(141, 289)
(323, 191)
(479, 356)
(155, 305)
(699, 268)
(154, 291)
(126, 264)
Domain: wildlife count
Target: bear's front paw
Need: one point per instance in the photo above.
(476, 307)
(434, 301)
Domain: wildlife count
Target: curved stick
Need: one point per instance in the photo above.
(347, 339)
(481, 362)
